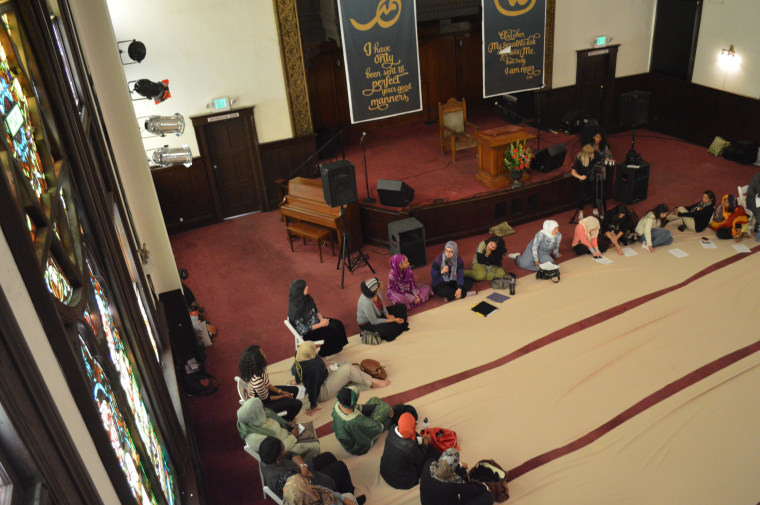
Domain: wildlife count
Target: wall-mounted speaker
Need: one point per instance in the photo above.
(634, 108)
(394, 193)
(549, 158)
(338, 183)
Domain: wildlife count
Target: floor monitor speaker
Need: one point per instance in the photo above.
(338, 183)
(549, 158)
(394, 193)
(407, 237)
(634, 108)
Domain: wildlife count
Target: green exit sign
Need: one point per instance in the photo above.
(600, 41)
(221, 104)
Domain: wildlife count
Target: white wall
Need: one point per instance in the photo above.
(726, 22)
(23, 309)
(207, 49)
(577, 22)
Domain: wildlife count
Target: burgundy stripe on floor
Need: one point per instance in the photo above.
(411, 394)
(658, 396)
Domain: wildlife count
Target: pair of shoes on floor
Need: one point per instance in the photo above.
(681, 227)
(513, 256)
(472, 293)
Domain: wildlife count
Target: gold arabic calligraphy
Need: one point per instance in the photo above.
(384, 9)
(510, 11)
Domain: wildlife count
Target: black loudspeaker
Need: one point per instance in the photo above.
(394, 193)
(634, 108)
(549, 158)
(407, 237)
(338, 183)
(631, 183)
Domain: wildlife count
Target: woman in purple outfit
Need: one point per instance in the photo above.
(402, 288)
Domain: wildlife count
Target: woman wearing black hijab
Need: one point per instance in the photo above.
(309, 322)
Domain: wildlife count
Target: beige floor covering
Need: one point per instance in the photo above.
(556, 394)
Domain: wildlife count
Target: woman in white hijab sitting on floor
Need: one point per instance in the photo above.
(541, 249)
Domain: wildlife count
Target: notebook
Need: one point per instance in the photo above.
(484, 308)
(497, 297)
(307, 434)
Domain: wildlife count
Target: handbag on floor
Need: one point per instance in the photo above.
(373, 368)
(441, 438)
(490, 473)
(548, 274)
(370, 337)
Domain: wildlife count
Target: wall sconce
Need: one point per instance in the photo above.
(150, 90)
(136, 51)
(728, 52)
(167, 156)
(159, 126)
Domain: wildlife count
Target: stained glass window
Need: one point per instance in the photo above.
(118, 433)
(30, 226)
(18, 127)
(57, 282)
(129, 384)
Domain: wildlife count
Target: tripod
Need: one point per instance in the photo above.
(345, 260)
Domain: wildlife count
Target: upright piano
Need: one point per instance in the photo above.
(305, 201)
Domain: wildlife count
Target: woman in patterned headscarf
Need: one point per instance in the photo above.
(729, 219)
(444, 482)
(402, 288)
(309, 322)
(447, 274)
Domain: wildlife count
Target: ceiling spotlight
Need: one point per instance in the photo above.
(158, 91)
(135, 51)
(161, 125)
(167, 156)
(729, 52)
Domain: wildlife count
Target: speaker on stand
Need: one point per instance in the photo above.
(339, 188)
(634, 111)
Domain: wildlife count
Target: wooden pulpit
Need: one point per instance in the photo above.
(491, 146)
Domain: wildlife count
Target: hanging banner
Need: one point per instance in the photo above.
(381, 57)
(513, 45)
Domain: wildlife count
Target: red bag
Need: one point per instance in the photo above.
(441, 438)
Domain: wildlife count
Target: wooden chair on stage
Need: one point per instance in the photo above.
(456, 131)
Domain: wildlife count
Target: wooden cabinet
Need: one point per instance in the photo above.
(185, 196)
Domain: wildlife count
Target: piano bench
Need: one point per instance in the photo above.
(319, 234)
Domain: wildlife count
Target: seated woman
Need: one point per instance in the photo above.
(356, 426)
(486, 263)
(402, 288)
(447, 273)
(650, 230)
(586, 238)
(255, 423)
(753, 196)
(299, 491)
(373, 315)
(309, 323)
(729, 219)
(253, 369)
(695, 217)
(322, 384)
(405, 454)
(618, 227)
(278, 465)
(444, 482)
(540, 249)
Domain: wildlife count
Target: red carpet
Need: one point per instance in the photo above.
(240, 270)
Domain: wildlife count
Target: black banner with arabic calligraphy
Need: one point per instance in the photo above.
(513, 45)
(380, 52)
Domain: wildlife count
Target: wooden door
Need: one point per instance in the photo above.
(438, 73)
(230, 152)
(594, 80)
(469, 64)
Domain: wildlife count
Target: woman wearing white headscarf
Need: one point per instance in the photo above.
(447, 274)
(541, 248)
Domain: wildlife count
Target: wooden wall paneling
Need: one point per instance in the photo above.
(469, 65)
(280, 158)
(326, 81)
(185, 196)
(438, 69)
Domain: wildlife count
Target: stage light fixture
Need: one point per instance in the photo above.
(162, 125)
(150, 90)
(167, 156)
(136, 51)
(729, 52)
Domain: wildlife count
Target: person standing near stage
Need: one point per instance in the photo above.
(582, 170)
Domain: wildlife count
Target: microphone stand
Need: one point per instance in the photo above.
(369, 198)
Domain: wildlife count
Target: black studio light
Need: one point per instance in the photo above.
(135, 50)
(151, 90)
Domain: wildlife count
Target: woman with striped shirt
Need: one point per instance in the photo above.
(252, 367)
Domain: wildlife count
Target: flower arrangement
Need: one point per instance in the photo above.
(518, 156)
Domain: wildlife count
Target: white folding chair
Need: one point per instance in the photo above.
(742, 198)
(242, 389)
(267, 492)
(298, 337)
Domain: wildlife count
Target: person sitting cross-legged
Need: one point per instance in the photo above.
(325, 470)
(255, 423)
(356, 426)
